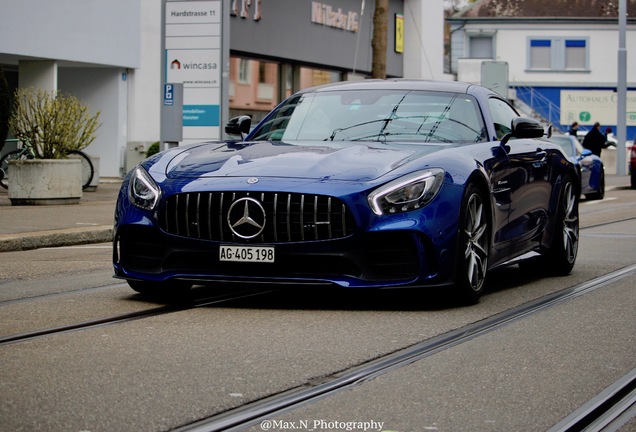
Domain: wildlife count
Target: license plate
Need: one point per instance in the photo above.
(247, 253)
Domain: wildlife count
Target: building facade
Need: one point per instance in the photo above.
(85, 48)
(109, 55)
(561, 57)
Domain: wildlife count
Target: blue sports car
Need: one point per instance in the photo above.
(368, 184)
(591, 166)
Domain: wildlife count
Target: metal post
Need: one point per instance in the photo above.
(225, 69)
(621, 112)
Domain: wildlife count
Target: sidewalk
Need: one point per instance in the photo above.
(32, 227)
(90, 221)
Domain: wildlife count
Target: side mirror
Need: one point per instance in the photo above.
(523, 127)
(526, 128)
(239, 126)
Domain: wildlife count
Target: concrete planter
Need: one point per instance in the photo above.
(45, 182)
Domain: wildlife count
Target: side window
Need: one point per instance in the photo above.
(274, 128)
(502, 115)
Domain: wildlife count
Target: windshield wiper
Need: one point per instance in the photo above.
(338, 130)
(392, 115)
(386, 121)
(427, 135)
(440, 118)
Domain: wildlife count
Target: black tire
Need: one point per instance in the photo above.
(88, 171)
(600, 194)
(561, 256)
(474, 245)
(633, 178)
(4, 165)
(173, 290)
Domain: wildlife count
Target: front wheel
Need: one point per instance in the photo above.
(474, 244)
(600, 192)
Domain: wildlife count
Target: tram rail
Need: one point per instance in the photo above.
(115, 319)
(252, 414)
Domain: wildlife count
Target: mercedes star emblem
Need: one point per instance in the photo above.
(246, 218)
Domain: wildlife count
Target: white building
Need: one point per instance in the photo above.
(86, 48)
(562, 56)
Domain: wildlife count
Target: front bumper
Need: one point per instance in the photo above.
(381, 259)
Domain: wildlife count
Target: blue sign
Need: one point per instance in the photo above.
(201, 115)
(168, 95)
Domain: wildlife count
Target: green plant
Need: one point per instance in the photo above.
(154, 148)
(53, 122)
(4, 108)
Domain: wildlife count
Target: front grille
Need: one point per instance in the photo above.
(289, 217)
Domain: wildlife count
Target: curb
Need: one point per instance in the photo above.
(55, 238)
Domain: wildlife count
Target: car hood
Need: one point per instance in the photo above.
(337, 161)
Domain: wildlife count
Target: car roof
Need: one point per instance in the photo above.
(403, 84)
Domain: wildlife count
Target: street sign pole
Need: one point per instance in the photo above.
(621, 115)
(195, 53)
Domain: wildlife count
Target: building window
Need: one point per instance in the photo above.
(262, 72)
(267, 82)
(540, 54)
(558, 54)
(480, 47)
(310, 77)
(575, 54)
(244, 75)
(255, 84)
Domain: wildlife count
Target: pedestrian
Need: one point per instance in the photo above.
(574, 128)
(595, 140)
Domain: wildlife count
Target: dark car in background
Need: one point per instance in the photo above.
(368, 184)
(591, 166)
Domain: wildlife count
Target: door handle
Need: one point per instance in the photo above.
(541, 156)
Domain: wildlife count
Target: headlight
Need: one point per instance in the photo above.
(407, 193)
(143, 192)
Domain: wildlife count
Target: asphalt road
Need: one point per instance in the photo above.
(160, 372)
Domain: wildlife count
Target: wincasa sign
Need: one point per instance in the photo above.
(326, 15)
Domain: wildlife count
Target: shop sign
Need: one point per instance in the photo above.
(590, 106)
(193, 57)
(399, 33)
(327, 15)
(244, 11)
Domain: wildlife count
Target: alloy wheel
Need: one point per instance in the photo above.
(476, 248)
(570, 223)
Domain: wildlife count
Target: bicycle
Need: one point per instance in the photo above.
(27, 152)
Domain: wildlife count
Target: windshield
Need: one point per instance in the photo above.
(376, 115)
